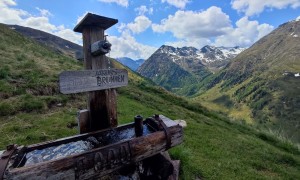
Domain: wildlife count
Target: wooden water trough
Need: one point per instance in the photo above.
(115, 148)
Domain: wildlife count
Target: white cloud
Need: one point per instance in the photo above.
(298, 18)
(257, 6)
(4, 3)
(142, 10)
(177, 3)
(127, 46)
(191, 25)
(119, 2)
(140, 24)
(68, 34)
(82, 16)
(187, 43)
(41, 23)
(44, 12)
(10, 15)
(211, 26)
(245, 34)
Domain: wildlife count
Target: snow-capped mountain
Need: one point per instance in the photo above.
(174, 68)
(213, 57)
(210, 54)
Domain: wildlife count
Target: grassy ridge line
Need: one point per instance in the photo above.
(213, 148)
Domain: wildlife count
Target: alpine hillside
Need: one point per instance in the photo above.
(262, 84)
(58, 44)
(179, 69)
(32, 110)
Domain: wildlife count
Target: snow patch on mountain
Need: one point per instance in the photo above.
(213, 57)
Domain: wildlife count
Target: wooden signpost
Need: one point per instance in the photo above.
(99, 79)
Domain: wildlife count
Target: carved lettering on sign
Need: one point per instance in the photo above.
(81, 167)
(99, 161)
(107, 158)
(103, 80)
(91, 80)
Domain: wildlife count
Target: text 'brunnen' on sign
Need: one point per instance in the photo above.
(91, 80)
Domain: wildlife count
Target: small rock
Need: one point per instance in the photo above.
(182, 123)
(59, 105)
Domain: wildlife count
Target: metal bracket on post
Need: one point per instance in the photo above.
(166, 130)
(4, 158)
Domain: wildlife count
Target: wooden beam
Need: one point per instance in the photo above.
(102, 104)
(100, 161)
(83, 121)
(95, 21)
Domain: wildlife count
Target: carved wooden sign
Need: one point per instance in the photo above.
(92, 80)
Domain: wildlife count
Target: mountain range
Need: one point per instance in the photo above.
(176, 69)
(132, 64)
(215, 147)
(258, 85)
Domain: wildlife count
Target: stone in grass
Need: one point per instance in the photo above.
(182, 123)
(59, 105)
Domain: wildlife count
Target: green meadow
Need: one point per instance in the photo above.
(215, 146)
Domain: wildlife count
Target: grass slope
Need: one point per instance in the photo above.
(260, 84)
(214, 147)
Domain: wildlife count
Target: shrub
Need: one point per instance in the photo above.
(6, 109)
(4, 72)
(30, 103)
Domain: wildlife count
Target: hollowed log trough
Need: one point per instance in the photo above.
(101, 160)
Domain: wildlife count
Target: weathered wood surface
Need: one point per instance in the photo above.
(100, 161)
(102, 104)
(176, 165)
(83, 121)
(95, 21)
(92, 80)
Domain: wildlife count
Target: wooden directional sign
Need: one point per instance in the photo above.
(92, 80)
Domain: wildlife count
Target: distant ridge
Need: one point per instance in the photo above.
(132, 64)
(180, 69)
(58, 44)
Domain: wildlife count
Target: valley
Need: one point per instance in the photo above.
(258, 85)
(215, 146)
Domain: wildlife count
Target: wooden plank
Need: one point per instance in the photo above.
(83, 121)
(176, 165)
(168, 122)
(100, 161)
(95, 21)
(92, 80)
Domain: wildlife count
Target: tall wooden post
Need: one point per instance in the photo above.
(102, 104)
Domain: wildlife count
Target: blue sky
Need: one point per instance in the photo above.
(145, 25)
